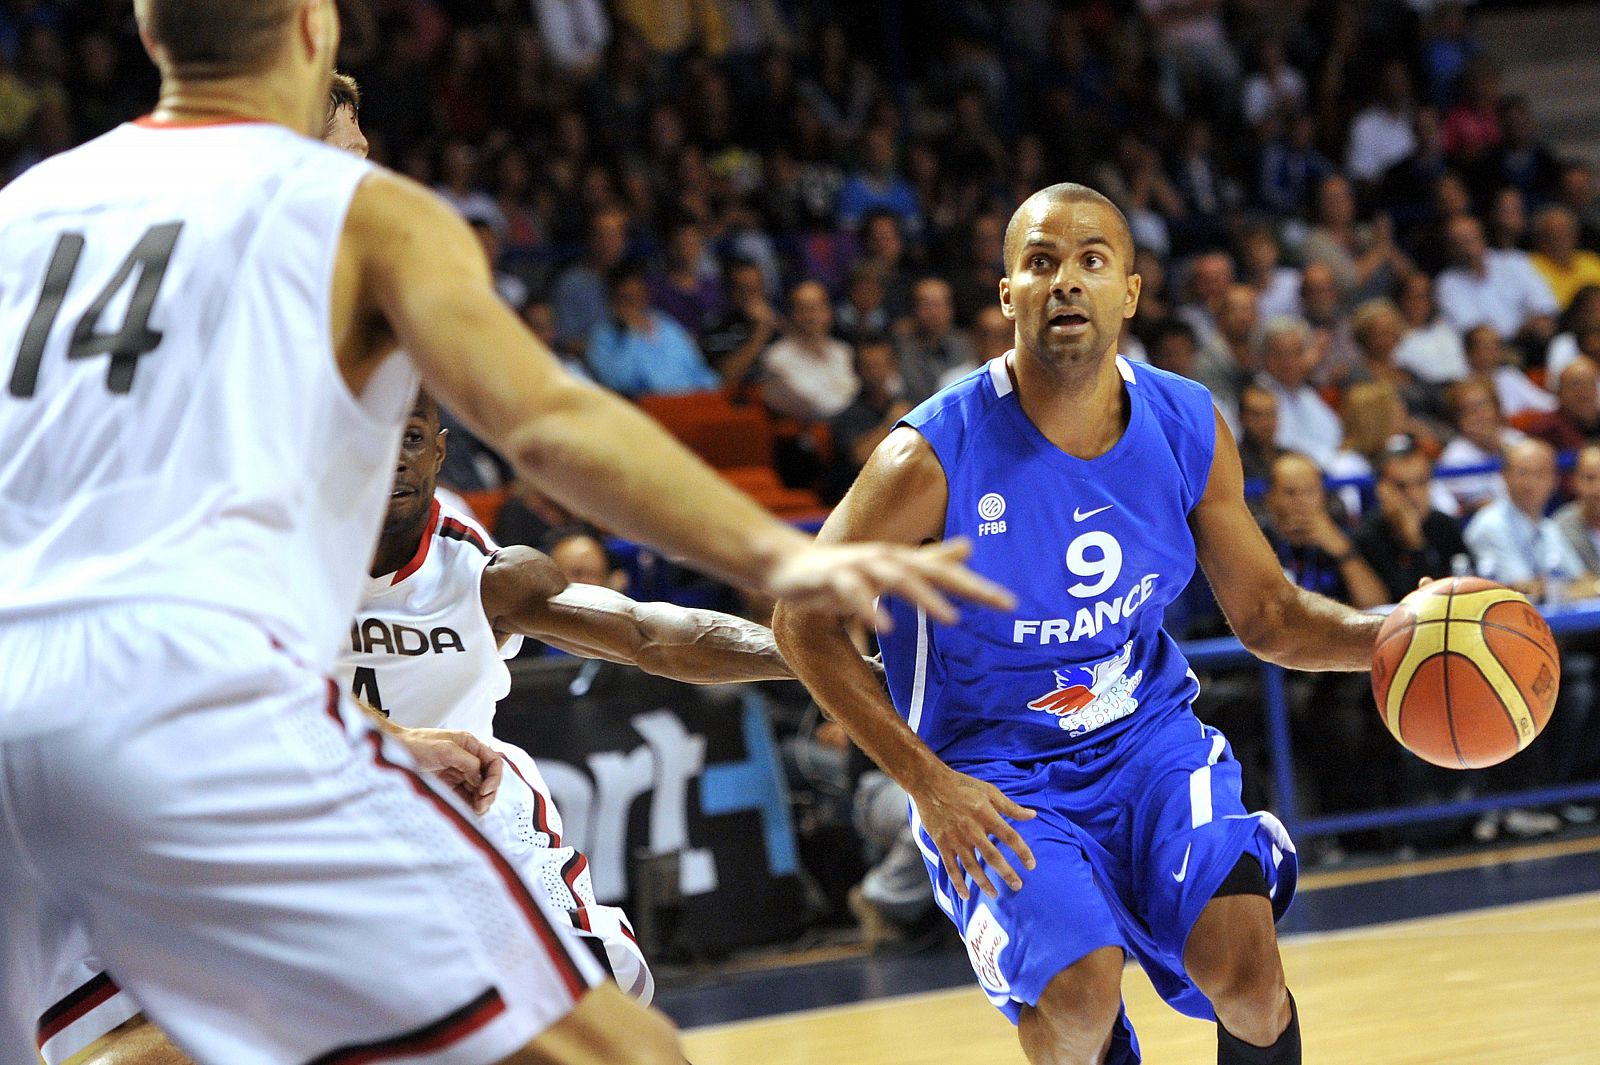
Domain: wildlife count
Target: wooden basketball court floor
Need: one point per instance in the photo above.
(1512, 983)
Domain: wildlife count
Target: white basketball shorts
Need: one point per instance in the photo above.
(268, 878)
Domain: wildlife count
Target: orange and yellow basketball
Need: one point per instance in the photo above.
(1465, 672)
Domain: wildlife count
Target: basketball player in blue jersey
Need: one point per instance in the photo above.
(1070, 807)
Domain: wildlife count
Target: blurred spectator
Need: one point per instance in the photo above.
(1231, 358)
(637, 350)
(1172, 347)
(1447, 47)
(1428, 241)
(1406, 188)
(583, 557)
(579, 296)
(1482, 437)
(1488, 357)
(1383, 134)
(863, 311)
(461, 185)
(1316, 554)
(1132, 179)
(876, 187)
(1372, 415)
(1511, 539)
(840, 90)
(1580, 332)
(1508, 220)
(672, 27)
(879, 404)
(1322, 310)
(1208, 195)
(883, 246)
(1291, 165)
(1565, 267)
(978, 284)
(512, 289)
(1576, 419)
(1363, 257)
(688, 284)
(575, 33)
(993, 334)
(1520, 161)
(1406, 539)
(1579, 520)
(1472, 127)
(1276, 88)
(1277, 286)
(1431, 350)
(1579, 195)
(1258, 435)
(734, 341)
(1500, 288)
(1305, 421)
(1200, 69)
(807, 374)
(528, 516)
(1378, 327)
(932, 352)
(1206, 282)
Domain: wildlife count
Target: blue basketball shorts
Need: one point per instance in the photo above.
(1132, 838)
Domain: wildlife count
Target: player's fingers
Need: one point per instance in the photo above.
(969, 858)
(953, 869)
(1013, 839)
(855, 596)
(491, 785)
(902, 579)
(949, 575)
(998, 863)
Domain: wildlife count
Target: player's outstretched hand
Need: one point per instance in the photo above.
(470, 767)
(848, 577)
(967, 818)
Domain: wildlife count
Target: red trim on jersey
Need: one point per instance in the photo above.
(451, 1028)
(569, 972)
(581, 915)
(541, 811)
(572, 870)
(422, 549)
(451, 529)
(75, 1006)
(152, 122)
(628, 932)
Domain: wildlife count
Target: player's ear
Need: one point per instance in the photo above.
(442, 445)
(1130, 303)
(1005, 300)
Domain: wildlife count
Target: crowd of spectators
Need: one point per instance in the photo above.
(1348, 227)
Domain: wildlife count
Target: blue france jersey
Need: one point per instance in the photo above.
(1094, 549)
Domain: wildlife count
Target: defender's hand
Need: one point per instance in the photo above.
(470, 767)
(849, 577)
(962, 814)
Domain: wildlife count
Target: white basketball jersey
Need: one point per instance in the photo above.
(172, 421)
(421, 648)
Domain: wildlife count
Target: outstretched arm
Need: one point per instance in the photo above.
(900, 497)
(409, 271)
(1273, 618)
(522, 596)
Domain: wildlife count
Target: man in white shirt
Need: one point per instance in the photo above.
(1305, 423)
(810, 374)
(1382, 133)
(1511, 539)
(1499, 287)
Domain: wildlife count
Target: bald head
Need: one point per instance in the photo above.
(1035, 207)
(1530, 475)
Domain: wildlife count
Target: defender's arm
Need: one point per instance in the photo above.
(1272, 617)
(521, 597)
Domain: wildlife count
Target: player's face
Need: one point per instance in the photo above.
(344, 132)
(416, 473)
(1068, 288)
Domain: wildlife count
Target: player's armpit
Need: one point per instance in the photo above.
(1272, 617)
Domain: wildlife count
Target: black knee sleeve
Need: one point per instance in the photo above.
(1286, 1051)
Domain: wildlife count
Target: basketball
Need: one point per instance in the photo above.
(1465, 673)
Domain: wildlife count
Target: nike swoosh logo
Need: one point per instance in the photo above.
(1183, 870)
(1078, 515)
